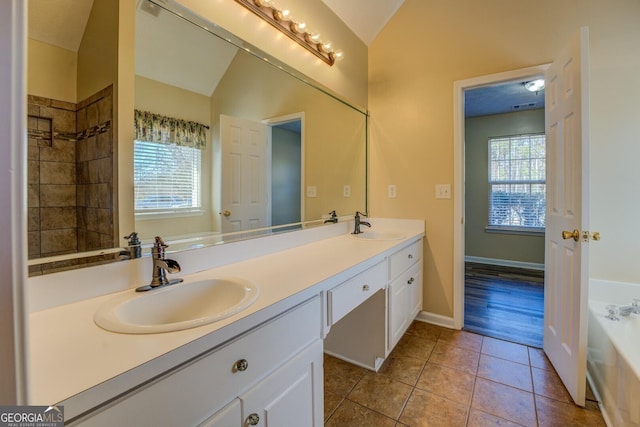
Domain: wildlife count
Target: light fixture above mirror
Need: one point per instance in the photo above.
(281, 19)
(535, 85)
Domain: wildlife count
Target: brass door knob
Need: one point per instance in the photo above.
(226, 213)
(575, 235)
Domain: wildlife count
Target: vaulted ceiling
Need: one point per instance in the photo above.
(62, 23)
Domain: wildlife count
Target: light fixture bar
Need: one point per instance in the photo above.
(294, 30)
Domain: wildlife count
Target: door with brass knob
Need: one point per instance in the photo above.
(575, 235)
(225, 213)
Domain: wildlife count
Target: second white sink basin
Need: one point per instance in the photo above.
(379, 235)
(176, 307)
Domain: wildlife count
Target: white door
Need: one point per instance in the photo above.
(245, 188)
(566, 259)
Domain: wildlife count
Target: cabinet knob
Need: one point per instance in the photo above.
(253, 419)
(410, 281)
(365, 288)
(410, 256)
(241, 365)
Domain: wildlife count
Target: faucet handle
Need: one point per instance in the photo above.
(160, 243)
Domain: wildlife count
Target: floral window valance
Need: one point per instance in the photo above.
(153, 127)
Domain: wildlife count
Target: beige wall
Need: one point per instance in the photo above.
(334, 134)
(347, 78)
(479, 242)
(51, 72)
(428, 45)
(160, 98)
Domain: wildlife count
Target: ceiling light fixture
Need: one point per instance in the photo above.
(296, 30)
(535, 85)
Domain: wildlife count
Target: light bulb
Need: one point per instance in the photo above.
(327, 46)
(298, 27)
(337, 55)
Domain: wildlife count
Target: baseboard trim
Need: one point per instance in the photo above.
(505, 262)
(436, 319)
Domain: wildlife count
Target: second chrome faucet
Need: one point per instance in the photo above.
(359, 222)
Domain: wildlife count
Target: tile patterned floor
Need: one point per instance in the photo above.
(440, 377)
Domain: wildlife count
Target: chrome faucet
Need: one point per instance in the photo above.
(134, 247)
(161, 266)
(358, 223)
(333, 219)
(633, 308)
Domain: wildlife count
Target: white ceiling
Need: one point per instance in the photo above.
(365, 17)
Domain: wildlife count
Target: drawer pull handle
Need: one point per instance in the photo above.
(410, 281)
(253, 419)
(241, 365)
(365, 288)
(410, 256)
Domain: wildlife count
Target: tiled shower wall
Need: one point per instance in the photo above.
(70, 175)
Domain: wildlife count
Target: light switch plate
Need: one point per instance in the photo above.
(346, 191)
(443, 191)
(311, 191)
(392, 192)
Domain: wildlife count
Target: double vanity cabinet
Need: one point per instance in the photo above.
(270, 373)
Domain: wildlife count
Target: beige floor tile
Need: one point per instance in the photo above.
(381, 394)
(505, 372)
(462, 339)
(447, 382)
(331, 402)
(504, 401)
(425, 330)
(505, 350)
(539, 359)
(339, 376)
(415, 346)
(548, 384)
(482, 419)
(400, 367)
(455, 357)
(427, 409)
(555, 413)
(350, 414)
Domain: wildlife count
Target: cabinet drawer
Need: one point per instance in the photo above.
(350, 294)
(209, 383)
(404, 258)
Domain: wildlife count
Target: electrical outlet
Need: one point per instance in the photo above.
(346, 191)
(392, 191)
(311, 191)
(443, 191)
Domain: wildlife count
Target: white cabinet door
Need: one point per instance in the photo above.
(405, 302)
(415, 291)
(398, 310)
(290, 397)
(230, 415)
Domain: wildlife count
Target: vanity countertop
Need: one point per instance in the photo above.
(70, 354)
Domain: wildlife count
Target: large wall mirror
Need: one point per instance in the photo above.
(229, 143)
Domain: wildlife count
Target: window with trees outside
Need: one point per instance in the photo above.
(517, 183)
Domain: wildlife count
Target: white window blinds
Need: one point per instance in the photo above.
(166, 177)
(517, 181)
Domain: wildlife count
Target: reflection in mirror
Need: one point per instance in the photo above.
(279, 153)
(271, 136)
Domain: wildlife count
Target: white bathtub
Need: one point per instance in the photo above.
(613, 357)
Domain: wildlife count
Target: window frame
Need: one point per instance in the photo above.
(512, 229)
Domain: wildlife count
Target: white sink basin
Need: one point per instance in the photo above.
(176, 307)
(379, 235)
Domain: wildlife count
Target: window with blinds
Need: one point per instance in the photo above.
(166, 178)
(517, 182)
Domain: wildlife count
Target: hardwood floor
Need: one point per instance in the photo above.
(505, 303)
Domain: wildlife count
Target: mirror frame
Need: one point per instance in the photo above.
(112, 254)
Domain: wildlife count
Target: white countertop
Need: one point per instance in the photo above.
(70, 354)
